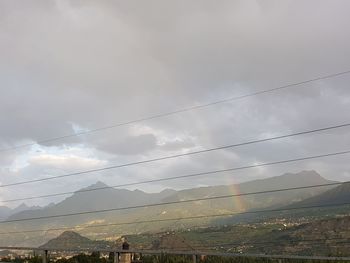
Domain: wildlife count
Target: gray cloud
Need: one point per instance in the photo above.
(87, 64)
(132, 145)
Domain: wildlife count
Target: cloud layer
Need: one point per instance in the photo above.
(68, 66)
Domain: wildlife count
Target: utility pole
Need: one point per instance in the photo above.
(116, 257)
(44, 256)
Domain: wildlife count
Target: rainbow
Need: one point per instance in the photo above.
(239, 202)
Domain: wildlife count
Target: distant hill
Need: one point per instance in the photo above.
(70, 239)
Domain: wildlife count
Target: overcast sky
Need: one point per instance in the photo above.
(70, 66)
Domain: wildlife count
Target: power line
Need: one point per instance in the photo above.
(169, 113)
(167, 203)
(174, 219)
(181, 155)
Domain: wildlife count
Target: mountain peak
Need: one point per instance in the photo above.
(308, 173)
(96, 185)
(305, 176)
(70, 235)
(68, 239)
(99, 184)
(24, 207)
(71, 239)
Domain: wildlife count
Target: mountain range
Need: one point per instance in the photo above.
(6, 212)
(88, 199)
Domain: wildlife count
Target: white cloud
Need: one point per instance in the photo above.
(65, 162)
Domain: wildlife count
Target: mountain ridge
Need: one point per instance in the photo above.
(118, 198)
(115, 197)
(337, 195)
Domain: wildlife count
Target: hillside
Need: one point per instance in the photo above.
(70, 239)
(319, 237)
(335, 201)
(288, 180)
(338, 195)
(171, 240)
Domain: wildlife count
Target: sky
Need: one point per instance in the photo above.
(72, 66)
